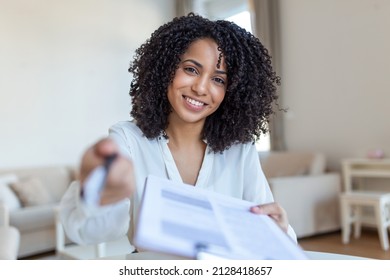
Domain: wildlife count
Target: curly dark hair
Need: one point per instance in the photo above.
(251, 87)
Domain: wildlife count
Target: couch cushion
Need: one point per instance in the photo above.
(8, 178)
(283, 164)
(32, 218)
(31, 192)
(55, 179)
(8, 197)
(318, 164)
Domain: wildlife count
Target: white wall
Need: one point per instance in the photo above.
(63, 73)
(335, 76)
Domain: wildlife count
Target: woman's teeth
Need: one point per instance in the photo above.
(194, 102)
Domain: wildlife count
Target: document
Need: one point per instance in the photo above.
(180, 219)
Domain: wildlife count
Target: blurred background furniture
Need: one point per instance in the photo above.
(31, 196)
(69, 250)
(300, 183)
(9, 236)
(363, 168)
(352, 203)
(361, 204)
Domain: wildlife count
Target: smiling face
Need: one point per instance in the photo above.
(199, 86)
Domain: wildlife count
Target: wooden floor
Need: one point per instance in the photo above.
(367, 245)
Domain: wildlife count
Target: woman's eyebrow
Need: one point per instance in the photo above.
(201, 66)
(221, 72)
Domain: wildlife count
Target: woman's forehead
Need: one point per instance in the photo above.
(208, 49)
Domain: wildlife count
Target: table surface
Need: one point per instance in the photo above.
(312, 255)
(367, 160)
(364, 167)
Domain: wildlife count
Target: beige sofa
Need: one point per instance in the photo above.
(308, 193)
(31, 196)
(9, 236)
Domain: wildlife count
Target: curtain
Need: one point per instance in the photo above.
(183, 7)
(265, 25)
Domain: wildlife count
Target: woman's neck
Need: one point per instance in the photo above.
(187, 148)
(184, 135)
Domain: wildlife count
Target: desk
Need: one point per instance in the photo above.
(364, 168)
(312, 255)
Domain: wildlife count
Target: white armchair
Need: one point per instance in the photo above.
(9, 236)
(309, 194)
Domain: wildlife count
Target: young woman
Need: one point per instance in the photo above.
(202, 93)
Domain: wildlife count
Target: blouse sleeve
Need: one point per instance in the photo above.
(256, 185)
(91, 225)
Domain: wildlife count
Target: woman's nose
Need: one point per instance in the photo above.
(200, 86)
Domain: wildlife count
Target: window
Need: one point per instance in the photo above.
(242, 19)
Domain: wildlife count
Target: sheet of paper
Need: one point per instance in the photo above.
(179, 219)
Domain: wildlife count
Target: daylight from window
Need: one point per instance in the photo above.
(242, 19)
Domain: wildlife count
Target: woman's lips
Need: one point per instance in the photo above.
(193, 104)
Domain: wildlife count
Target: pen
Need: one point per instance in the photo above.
(95, 182)
(204, 252)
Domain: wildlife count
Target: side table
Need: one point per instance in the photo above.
(364, 168)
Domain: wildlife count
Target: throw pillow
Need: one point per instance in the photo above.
(8, 197)
(31, 192)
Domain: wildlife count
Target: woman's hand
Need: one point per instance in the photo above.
(120, 181)
(275, 211)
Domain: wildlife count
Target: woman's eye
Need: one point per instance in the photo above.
(219, 81)
(190, 70)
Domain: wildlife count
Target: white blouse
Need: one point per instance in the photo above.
(236, 172)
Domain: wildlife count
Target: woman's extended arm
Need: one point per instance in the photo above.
(85, 225)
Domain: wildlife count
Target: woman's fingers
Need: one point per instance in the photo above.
(275, 211)
(95, 156)
(120, 181)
